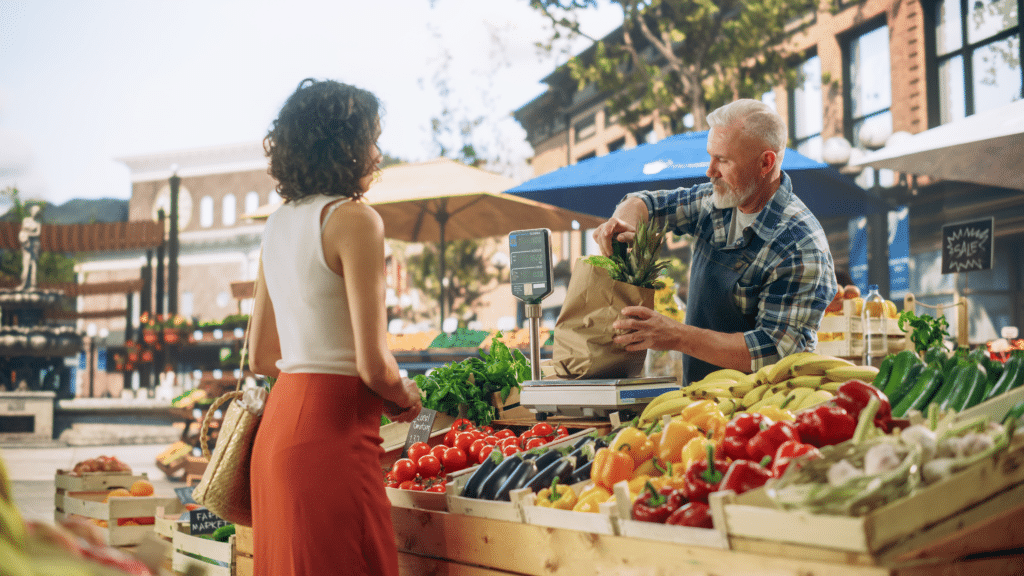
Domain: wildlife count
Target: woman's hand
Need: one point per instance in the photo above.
(408, 410)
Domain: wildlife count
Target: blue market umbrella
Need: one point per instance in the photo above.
(596, 185)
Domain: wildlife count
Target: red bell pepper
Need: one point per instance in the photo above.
(695, 514)
(656, 505)
(740, 430)
(825, 425)
(745, 475)
(767, 441)
(788, 451)
(854, 395)
(703, 477)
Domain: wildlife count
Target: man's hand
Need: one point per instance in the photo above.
(622, 225)
(647, 329)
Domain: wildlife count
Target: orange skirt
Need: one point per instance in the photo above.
(318, 499)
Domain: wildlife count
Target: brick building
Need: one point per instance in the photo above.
(874, 66)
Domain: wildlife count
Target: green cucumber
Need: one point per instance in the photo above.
(976, 392)
(902, 362)
(1012, 376)
(884, 369)
(926, 385)
(949, 378)
(964, 387)
(908, 382)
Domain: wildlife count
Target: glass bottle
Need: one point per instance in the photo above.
(876, 342)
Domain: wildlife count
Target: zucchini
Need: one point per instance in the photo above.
(1012, 376)
(884, 369)
(976, 392)
(918, 397)
(900, 365)
(909, 380)
(963, 386)
(948, 383)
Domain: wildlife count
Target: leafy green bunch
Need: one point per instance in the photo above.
(472, 382)
(926, 331)
(639, 266)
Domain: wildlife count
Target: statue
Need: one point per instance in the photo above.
(29, 238)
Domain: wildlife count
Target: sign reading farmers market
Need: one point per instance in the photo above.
(967, 246)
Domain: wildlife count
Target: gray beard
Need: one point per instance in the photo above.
(730, 198)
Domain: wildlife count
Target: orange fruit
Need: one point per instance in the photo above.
(117, 493)
(142, 488)
(850, 291)
(890, 309)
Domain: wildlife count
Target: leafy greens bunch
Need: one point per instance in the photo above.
(473, 382)
(639, 266)
(926, 331)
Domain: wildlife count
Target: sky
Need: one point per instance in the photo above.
(83, 83)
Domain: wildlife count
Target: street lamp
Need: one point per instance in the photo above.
(90, 331)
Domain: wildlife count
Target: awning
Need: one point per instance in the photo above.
(986, 148)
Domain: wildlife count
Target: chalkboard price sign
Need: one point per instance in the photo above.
(203, 521)
(967, 246)
(419, 429)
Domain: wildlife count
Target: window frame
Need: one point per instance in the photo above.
(796, 141)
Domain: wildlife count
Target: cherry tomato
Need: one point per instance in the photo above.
(504, 433)
(454, 460)
(484, 453)
(542, 429)
(474, 449)
(439, 487)
(509, 450)
(416, 450)
(438, 451)
(534, 442)
(463, 424)
(463, 440)
(428, 465)
(404, 469)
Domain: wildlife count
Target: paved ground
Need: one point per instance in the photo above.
(32, 469)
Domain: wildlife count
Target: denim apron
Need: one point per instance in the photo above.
(713, 276)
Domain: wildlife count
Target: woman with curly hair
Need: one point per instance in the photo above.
(318, 326)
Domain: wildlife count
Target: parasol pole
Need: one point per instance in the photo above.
(442, 221)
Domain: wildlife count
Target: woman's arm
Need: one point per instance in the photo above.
(353, 243)
(264, 345)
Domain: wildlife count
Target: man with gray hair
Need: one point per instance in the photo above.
(761, 274)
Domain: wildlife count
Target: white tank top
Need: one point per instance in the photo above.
(310, 302)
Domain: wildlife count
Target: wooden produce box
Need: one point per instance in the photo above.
(212, 557)
(243, 551)
(91, 505)
(395, 433)
(842, 335)
(595, 523)
(994, 408)
(973, 495)
(625, 526)
(65, 482)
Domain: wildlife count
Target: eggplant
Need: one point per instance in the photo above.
(581, 441)
(517, 479)
(497, 477)
(600, 443)
(545, 459)
(584, 453)
(562, 468)
(581, 473)
(476, 479)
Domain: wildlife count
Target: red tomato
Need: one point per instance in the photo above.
(509, 450)
(474, 449)
(438, 451)
(416, 450)
(542, 429)
(463, 424)
(411, 485)
(439, 487)
(534, 442)
(487, 430)
(561, 431)
(428, 465)
(463, 440)
(449, 437)
(504, 433)
(404, 470)
(524, 437)
(454, 460)
(491, 440)
(478, 434)
(392, 485)
(510, 441)
(484, 453)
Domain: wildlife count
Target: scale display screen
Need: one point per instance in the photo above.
(530, 264)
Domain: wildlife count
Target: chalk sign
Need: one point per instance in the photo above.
(968, 246)
(419, 429)
(203, 521)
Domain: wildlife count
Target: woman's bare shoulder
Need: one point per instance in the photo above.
(356, 217)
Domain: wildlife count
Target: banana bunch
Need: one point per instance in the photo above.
(13, 534)
(796, 382)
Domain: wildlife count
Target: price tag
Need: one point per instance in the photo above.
(419, 429)
(203, 521)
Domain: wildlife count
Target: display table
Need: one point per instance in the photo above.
(442, 543)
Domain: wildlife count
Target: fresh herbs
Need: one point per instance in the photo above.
(473, 382)
(639, 266)
(926, 331)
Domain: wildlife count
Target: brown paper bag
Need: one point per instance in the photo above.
(583, 346)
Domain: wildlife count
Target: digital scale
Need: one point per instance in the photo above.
(531, 277)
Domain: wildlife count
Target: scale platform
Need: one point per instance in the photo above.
(592, 398)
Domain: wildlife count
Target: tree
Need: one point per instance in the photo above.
(468, 273)
(54, 268)
(677, 57)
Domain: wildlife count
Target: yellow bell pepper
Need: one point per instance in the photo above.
(611, 466)
(648, 468)
(636, 485)
(776, 413)
(696, 450)
(558, 496)
(706, 415)
(674, 436)
(671, 475)
(634, 442)
(591, 498)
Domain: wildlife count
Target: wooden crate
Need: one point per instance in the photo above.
(595, 523)
(217, 558)
(994, 408)
(625, 526)
(65, 482)
(243, 551)
(395, 433)
(936, 511)
(91, 505)
(848, 332)
(424, 500)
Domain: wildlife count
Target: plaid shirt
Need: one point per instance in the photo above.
(791, 278)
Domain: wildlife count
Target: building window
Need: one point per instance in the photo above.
(616, 144)
(977, 56)
(206, 212)
(586, 128)
(868, 89)
(806, 110)
(230, 210)
(252, 202)
(587, 156)
(645, 135)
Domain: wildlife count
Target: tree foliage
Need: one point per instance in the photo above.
(467, 271)
(679, 57)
